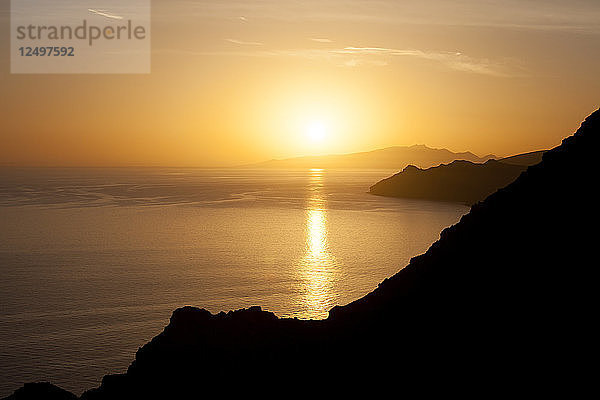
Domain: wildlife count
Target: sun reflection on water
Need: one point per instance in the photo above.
(317, 268)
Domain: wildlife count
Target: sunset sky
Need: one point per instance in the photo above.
(242, 81)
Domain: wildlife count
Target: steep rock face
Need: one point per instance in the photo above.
(517, 275)
(504, 301)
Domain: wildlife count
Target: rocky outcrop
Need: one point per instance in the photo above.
(459, 181)
(503, 303)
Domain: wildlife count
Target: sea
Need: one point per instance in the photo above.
(94, 261)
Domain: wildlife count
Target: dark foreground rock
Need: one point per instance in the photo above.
(460, 181)
(503, 304)
(41, 390)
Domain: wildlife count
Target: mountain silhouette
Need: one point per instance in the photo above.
(460, 181)
(397, 157)
(503, 304)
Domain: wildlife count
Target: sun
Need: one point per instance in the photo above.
(316, 131)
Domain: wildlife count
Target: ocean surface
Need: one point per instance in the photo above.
(93, 261)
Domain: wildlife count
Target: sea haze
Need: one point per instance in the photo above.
(93, 261)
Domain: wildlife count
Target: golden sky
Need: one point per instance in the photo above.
(242, 81)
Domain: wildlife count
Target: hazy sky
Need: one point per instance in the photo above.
(241, 81)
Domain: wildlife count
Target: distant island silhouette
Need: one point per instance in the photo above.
(397, 157)
(460, 181)
(502, 304)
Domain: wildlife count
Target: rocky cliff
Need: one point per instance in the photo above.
(503, 303)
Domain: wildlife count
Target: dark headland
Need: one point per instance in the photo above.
(503, 303)
(460, 181)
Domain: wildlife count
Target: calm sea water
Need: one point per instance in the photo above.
(94, 261)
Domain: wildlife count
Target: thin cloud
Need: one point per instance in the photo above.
(453, 60)
(104, 13)
(352, 57)
(321, 40)
(244, 43)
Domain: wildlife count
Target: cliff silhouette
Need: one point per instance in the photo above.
(526, 159)
(459, 181)
(396, 157)
(502, 304)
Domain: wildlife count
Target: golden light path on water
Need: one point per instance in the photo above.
(317, 268)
